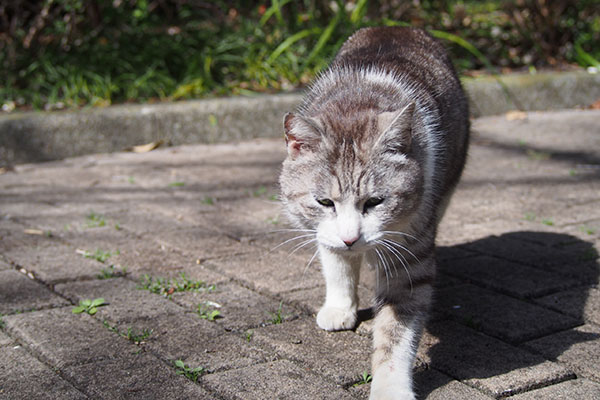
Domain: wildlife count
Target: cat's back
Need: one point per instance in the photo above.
(410, 54)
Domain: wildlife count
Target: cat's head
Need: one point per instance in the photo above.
(352, 178)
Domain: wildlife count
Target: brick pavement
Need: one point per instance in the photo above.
(516, 311)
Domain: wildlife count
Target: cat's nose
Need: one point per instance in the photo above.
(350, 242)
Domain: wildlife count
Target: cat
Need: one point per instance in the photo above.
(374, 152)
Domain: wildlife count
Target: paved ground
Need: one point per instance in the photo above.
(517, 311)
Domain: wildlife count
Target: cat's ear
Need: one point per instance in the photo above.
(301, 134)
(395, 129)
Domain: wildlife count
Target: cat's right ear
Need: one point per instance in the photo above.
(300, 135)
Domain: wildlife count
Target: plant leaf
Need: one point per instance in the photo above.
(92, 311)
(97, 302)
(85, 303)
(78, 310)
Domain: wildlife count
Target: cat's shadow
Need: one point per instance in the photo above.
(498, 302)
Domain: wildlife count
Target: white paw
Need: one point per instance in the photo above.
(336, 319)
(391, 393)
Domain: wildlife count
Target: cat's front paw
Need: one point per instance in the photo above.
(336, 319)
(391, 393)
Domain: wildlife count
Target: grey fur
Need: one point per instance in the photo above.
(388, 120)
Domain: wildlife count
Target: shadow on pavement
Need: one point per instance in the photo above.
(497, 297)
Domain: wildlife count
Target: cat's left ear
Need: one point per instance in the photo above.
(396, 129)
(301, 134)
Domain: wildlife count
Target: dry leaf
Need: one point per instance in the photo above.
(595, 105)
(144, 148)
(515, 115)
(34, 232)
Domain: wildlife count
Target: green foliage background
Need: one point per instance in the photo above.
(69, 53)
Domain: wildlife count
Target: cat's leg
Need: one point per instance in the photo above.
(397, 331)
(341, 301)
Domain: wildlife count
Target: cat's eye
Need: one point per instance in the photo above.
(325, 202)
(372, 202)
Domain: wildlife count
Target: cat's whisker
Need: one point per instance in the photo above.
(291, 240)
(391, 263)
(400, 258)
(310, 261)
(292, 230)
(392, 252)
(408, 235)
(394, 243)
(302, 244)
(384, 266)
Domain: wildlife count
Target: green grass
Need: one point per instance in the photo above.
(548, 221)
(98, 255)
(112, 272)
(208, 311)
(95, 220)
(364, 379)
(130, 334)
(277, 317)
(167, 286)
(210, 201)
(191, 373)
(134, 51)
(530, 217)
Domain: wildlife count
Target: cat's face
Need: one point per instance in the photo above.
(351, 188)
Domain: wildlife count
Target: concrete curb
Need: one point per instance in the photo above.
(38, 136)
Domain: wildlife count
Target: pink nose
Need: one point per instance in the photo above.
(350, 242)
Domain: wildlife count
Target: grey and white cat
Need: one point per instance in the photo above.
(374, 154)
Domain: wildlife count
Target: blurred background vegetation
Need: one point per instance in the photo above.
(70, 53)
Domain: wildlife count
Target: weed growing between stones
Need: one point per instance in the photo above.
(190, 373)
(111, 272)
(99, 255)
(363, 379)
(166, 286)
(89, 306)
(131, 335)
(207, 310)
(277, 317)
(95, 220)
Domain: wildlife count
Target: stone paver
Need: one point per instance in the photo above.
(20, 293)
(579, 348)
(126, 301)
(339, 356)
(277, 380)
(504, 276)
(435, 385)
(574, 389)
(239, 307)
(515, 313)
(499, 315)
(492, 366)
(583, 303)
(201, 343)
(61, 338)
(24, 377)
(133, 376)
